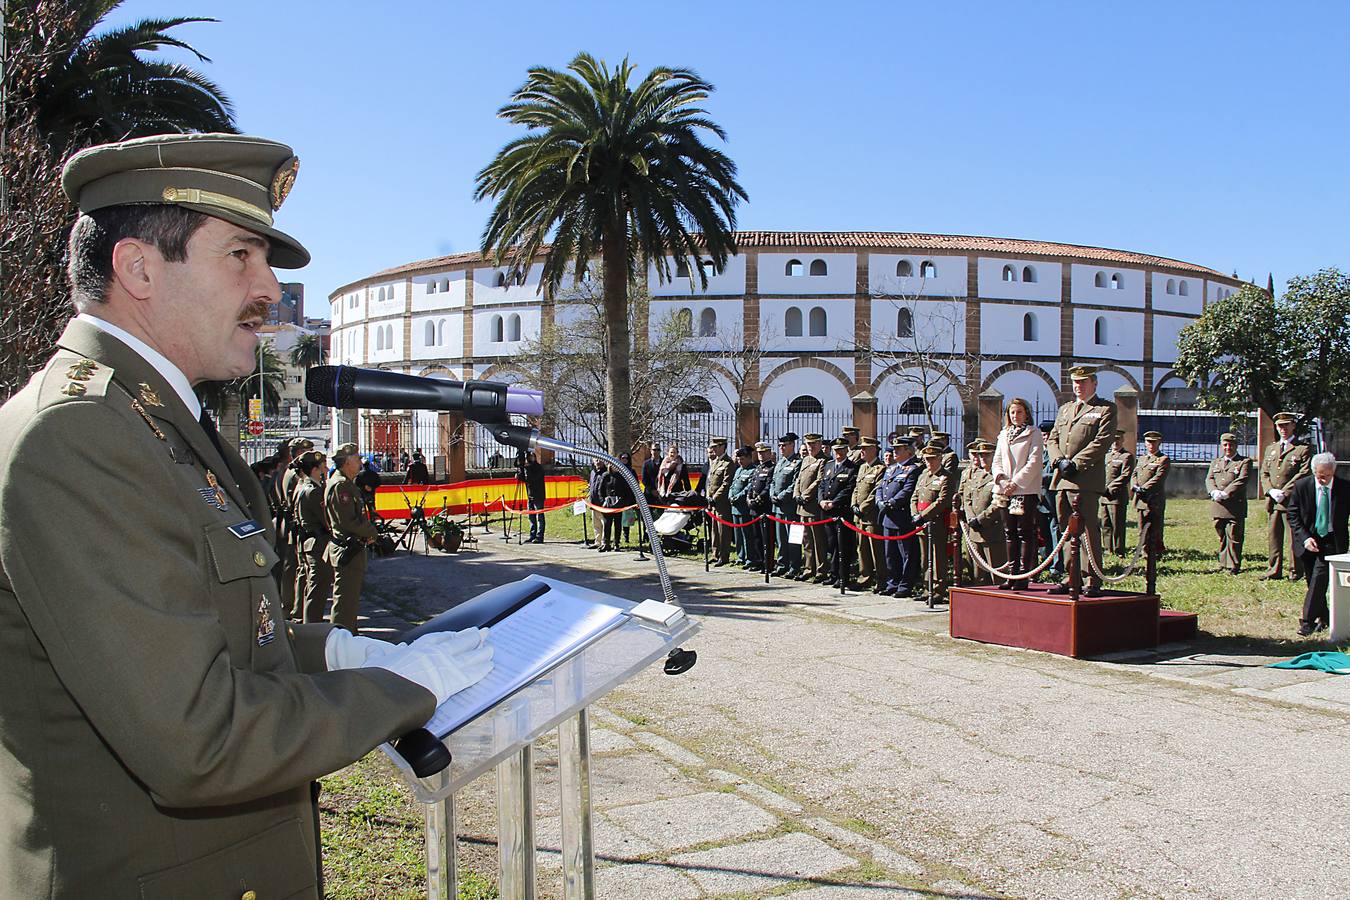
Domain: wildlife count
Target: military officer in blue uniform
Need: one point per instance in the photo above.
(893, 499)
(785, 506)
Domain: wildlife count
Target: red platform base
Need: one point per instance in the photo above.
(1040, 620)
(1177, 627)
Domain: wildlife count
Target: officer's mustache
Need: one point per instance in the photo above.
(256, 310)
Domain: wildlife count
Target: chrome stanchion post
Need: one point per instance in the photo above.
(515, 823)
(442, 881)
(574, 778)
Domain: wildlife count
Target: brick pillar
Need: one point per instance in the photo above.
(1127, 415)
(973, 349)
(1150, 382)
(747, 422)
(862, 330)
(990, 404)
(451, 427)
(865, 413)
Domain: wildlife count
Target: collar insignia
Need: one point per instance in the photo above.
(148, 395)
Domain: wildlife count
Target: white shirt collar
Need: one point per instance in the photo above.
(172, 374)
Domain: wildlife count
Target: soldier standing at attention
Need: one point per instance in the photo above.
(740, 505)
(290, 551)
(316, 575)
(852, 435)
(1147, 485)
(932, 503)
(837, 477)
(1119, 470)
(352, 531)
(917, 433)
(1285, 462)
(1227, 486)
(871, 556)
(815, 566)
(161, 723)
(983, 514)
(1077, 446)
(718, 492)
(951, 463)
(785, 507)
(760, 498)
(894, 496)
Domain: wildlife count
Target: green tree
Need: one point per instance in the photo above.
(68, 85)
(616, 171)
(307, 352)
(1250, 349)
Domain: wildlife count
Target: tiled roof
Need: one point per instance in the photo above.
(879, 240)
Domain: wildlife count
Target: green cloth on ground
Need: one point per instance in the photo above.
(1326, 661)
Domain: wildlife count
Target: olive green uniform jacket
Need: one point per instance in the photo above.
(160, 724)
(1119, 471)
(1229, 475)
(1150, 477)
(1083, 432)
(1281, 466)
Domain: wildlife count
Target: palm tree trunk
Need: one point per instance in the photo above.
(618, 400)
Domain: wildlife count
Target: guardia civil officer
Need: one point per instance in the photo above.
(760, 498)
(747, 537)
(1226, 482)
(311, 525)
(1077, 446)
(160, 721)
(1283, 463)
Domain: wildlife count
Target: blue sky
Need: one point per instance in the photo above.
(1210, 132)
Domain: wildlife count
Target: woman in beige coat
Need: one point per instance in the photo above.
(1017, 477)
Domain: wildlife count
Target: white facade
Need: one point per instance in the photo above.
(1020, 279)
(916, 275)
(1107, 285)
(808, 273)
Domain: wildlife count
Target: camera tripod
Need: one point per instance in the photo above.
(417, 524)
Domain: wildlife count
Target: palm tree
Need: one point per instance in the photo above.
(307, 352)
(103, 88)
(612, 170)
(273, 380)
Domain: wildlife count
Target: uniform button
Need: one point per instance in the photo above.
(259, 560)
(248, 895)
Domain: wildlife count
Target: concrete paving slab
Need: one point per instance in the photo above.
(874, 891)
(759, 866)
(605, 741)
(644, 881)
(696, 819)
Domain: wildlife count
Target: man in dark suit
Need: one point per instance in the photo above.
(1319, 507)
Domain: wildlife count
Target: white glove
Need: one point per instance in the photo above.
(444, 663)
(1216, 495)
(344, 650)
(1277, 495)
(1224, 495)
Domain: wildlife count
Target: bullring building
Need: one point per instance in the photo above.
(837, 317)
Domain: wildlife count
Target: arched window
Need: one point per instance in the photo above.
(1183, 288)
(1099, 330)
(818, 267)
(379, 338)
(1171, 286)
(793, 268)
(1116, 283)
(684, 322)
(445, 284)
(816, 321)
(380, 298)
(431, 286)
(1099, 280)
(1009, 273)
(927, 269)
(904, 268)
(501, 279)
(513, 327)
(806, 404)
(694, 404)
(498, 329)
(1028, 274)
(792, 322)
(440, 332)
(1029, 328)
(913, 407)
(389, 337)
(681, 268)
(904, 323)
(430, 332)
(707, 323)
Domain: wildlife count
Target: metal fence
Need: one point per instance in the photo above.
(1193, 435)
(393, 436)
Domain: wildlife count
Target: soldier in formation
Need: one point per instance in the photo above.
(1283, 463)
(747, 538)
(805, 492)
(785, 472)
(717, 487)
(1119, 470)
(933, 496)
(983, 513)
(1226, 482)
(895, 495)
(315, 579)
(351, 531)
(835, 491)
(871, 555)
(1147, 486)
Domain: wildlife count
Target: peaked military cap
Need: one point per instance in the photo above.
(812, 436)
(850, 429)
(897, 443)
(869, 442)
(840, 444)
(234, 177)
(931, 452)
(916, 430)
(343, 451)
(788, 438)
(983, 446)
(301, 444)
(1153, 435)
(972, 446)
(717, 442)
(761, 447)
(1228, 436)
(1281, 417)
(1078, 373)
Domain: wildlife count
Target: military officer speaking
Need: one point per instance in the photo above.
(1283, 463)
(160, 722)
(1077, 446)
(1227, 486)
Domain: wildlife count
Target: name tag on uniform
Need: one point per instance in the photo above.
(246, 528)
(1091, 417)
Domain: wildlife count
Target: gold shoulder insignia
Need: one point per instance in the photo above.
(74, 389)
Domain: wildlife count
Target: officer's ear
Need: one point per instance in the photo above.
(131, 264)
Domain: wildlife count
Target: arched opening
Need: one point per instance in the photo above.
(904, 268)
(379, 338)
(792, 322)
(681, 268)
(913, 407)
(793, 268)
(927, 269)
(904, 323)
(430, 334)
(694, 404)
(431, 286)
(1183, 288)
(1099, 280)
(1116, 283)
(806, 405)
(1099, 330)
(1171, 287)
(1028, 273)
(501, 279)
(445, 284)
(684, 322)
(389, 337)
(380, 298)
(707, 323)
(816, 321)
(513, 327)
(498, 329)
(1029, 327)
(818, 267)
(440, 332)
(1009, 273)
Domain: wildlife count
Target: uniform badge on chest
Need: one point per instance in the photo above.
(267, 629)
(212, 493)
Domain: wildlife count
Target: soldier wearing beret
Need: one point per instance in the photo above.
(1077, 447)
(1227, 486)
(1148, 485)
(161, 722)
(871, 555)
(315, 579)
(933, 494)
(1283, 463)
(1119, 470)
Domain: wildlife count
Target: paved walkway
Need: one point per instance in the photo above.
(835, 747)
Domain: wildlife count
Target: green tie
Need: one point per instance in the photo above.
(1323, 524)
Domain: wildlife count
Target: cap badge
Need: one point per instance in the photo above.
(283, 181)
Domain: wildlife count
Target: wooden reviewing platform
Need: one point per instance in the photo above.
(1039, 618)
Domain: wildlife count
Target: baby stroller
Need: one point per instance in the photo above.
(680, 528)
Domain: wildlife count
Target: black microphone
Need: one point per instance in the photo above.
(488, 402)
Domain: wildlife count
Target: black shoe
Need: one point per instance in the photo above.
(1092, 591)
(718, 565)
(1305, 629)
(1320, 626)
(1061, 588)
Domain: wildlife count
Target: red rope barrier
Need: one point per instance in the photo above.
(883, 537)
(716, 518)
